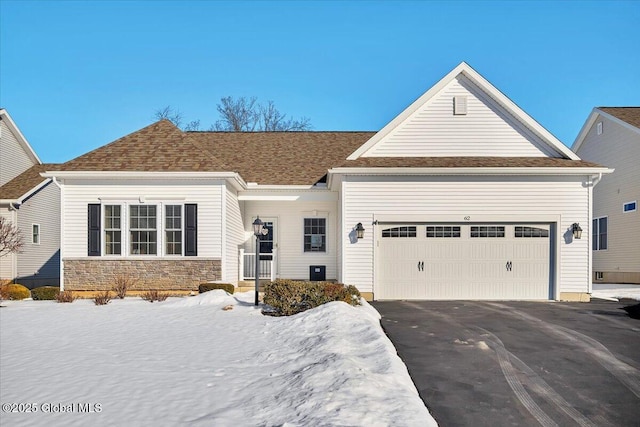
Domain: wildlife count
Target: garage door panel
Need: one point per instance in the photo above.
(510, 261)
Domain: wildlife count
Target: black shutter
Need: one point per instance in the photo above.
(93, 245)
(191, 230)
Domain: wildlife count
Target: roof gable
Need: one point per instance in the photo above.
(24, 144)
(24, 184)
(493, 125)
(627, 117)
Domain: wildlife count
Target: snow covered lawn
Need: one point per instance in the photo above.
(615, 291)
(186, 361)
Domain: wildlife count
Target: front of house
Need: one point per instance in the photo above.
(461, 196)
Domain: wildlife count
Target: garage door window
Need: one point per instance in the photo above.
(531, 232)
(487, 231)
(400, 232)
(443, 231)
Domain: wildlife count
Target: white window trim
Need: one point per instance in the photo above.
(598, 234)
(39, 234)
(164, 229)
(628, 203)
(326, 233)
(125, 229)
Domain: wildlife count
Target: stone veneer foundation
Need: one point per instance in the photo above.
(82, 274)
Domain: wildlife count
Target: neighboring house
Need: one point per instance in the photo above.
(611, 136)
(461, 196)
(33, 204)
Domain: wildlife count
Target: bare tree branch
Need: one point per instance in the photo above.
(11, 239)
(193, 125)
(169, 113)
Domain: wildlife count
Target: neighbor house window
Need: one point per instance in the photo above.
(487, 231)
(113, 230)
(599, 233)
(35, 234)
(173, 230)
(630, 206)
(143, 233)
(315, 234)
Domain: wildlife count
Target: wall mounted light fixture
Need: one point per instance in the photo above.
(577, 231)
(360, 230)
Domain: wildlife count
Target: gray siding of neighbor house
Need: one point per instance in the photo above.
(39, 264)
(618, 148)
(13, 159)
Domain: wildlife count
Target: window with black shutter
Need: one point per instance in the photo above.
(191, 230)
(93, 244)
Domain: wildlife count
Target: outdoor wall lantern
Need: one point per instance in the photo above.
(577, 231)
(360, 230)
(258, 230)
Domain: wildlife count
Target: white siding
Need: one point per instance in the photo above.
(207, 194)
(454, 198)
(7, 262)
(41, 261)
(618, 148)
(486, 129)
(235, 236)
(13, 159)
(293, 262)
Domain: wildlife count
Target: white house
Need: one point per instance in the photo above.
(611, 136)
(33, 204)
(461, 196)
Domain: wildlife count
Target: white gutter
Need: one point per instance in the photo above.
(472, 171)
(234, 177)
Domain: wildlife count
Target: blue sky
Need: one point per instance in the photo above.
(76, 75)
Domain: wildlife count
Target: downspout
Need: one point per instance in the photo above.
(595, 179)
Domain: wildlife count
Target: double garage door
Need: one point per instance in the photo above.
(464, 261)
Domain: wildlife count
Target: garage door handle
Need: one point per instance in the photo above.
(509, 265)
(420, 266)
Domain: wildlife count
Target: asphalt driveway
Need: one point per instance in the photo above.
(520, 363)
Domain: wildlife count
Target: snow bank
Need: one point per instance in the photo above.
(135, 363)
(615, 291)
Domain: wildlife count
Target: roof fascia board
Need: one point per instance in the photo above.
(44, 183)
(4, 114)
(234, 178)
(492, 91)
(473, 171)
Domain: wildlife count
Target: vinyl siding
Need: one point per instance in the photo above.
(453, 199)
(207, 194)
(7, 262)
(235, 236)
(486, 129)
(618, 148)
(293, 262)
(40, 262)
(13, 159)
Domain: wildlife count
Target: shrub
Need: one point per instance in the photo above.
(102, 298)
(45, 293)
(154, 295)
(67, 296)
(13, 291)
(206, 287)
(289, 297)
(122, 284)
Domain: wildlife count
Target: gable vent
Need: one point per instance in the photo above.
(459, 105)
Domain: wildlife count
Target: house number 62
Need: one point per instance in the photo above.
(467, 218)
